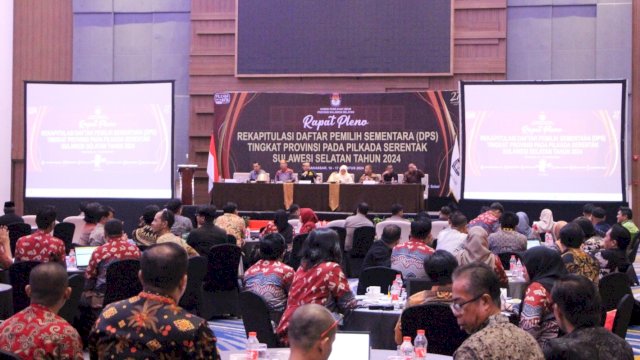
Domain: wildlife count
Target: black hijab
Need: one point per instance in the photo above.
(544, 265)
(281, 220)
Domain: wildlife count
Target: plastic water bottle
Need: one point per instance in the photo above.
(252, 346)
(406, 349)
(519, 268)
(420, 345)
(395, 290)
(512, 263)
(71, 261)
(399, 280)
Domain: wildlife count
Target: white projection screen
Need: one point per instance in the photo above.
(99, 140)
(543, 141)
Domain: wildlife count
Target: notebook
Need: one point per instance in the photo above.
(350, 345)
(83, 255)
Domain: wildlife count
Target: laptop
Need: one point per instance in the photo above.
(83, 256)
(351, 345)
(532, 243)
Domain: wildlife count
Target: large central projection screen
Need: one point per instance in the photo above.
(543, 141)
(99, 140)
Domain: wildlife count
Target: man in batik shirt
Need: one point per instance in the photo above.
(41, 245)
(37, 332)
(151, 324)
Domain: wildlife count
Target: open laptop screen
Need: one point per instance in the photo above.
(350, 345)
(83, 255)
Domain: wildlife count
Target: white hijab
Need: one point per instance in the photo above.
(345, 178)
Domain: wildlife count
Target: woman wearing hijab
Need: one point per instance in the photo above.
(524, 228)
(545, 226)
(574, 258)
(308, 218)
(342, 176)
(476, 249)
(280, 225)
(543, 267)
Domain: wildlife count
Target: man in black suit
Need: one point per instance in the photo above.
(10, 216)
(379, 253)
(207, 234)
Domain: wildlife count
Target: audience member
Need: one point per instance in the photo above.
(294, 211)
(577, 308)
(592, 242)
(543, 266)
(284, 174)
(439, 267)
(308, 220)
(151, 324)
(319, 270)
(422, 215)
(312, 331)
(37, 332)
(96, 238)
(232, 223)
(10, 216)
(507, 239)
(389, 176)
(490, 219)
(162, 223)
(598, 217)
(625, 216)
(307, 174)
(256, 172)
(476, 249)
(92, 214)
(524, 228)
(369, 175)
(587, 210)
(613, 257)
(182, 224)
(476, 306)
(413, 175)
(270, 277)
(397, 214)
(379, 253)
(575, 259)
(342, 176)
(445, 213)
(207, 234)
(42, 245)
(452, 239)
(144, 234)
(544, 226)
(6, 258)
(353, 222)
(280, 225)
(408, 257)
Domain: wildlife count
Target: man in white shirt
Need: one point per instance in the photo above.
(452, 238)
(355, 221)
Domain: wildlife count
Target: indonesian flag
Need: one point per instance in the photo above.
(212, 164)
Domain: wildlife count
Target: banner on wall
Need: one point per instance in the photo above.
(329, 130)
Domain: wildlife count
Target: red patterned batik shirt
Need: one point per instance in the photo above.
(40, 246)
(103, 256)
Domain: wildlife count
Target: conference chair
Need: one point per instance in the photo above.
(30, 219)
(16, 231)
(19, 275)
(220, 295)
(417, 285)
(623, 316)
(437, 226)
(64, 231)
(405, 229)
(376, 276)
(336, 224)
(256, 317)
(122, 280)
(79, 222)
(193, 297)
(6, 301)
(632, 250)
(505, 259)
(443, 333)
(362, 241)
(631, 274)
(613, 287)
(342, 234)
(7, 355)
(70, 308)
(296, 251)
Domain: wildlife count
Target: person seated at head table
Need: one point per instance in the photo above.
(41, 245)
(307, 174)
(389, 176)
(312, 331)
(439, 267)
(408, 257)
(476, 249)
(613, 257)
(575, 259)
(162, 223)
(342, 176)
(542, 267)
(284, 174)
(308, 219)
(507, 239)
(379, 253)
(413, 175)
(144, 234)
(256, 172)
(279, 225)
(37, 332)
(369, 175)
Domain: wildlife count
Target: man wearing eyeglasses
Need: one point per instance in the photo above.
(476, 306)
(311, 332)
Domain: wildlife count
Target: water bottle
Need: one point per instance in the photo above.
(395, 290)
(519, 268)
(420, 345)
(512, 263)
(406, 349)
(71, 261)
(399, 280)
(252, 346)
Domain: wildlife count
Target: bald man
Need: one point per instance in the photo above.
(49, 336)
(312, 330)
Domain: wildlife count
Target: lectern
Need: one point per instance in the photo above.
(185, 187)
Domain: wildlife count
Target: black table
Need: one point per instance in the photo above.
(270, 197)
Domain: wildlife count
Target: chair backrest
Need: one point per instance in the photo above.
(294, 223)
(405, 229)
(19, 276)
(623, 316)
(222, 268)
(30, 219)
(192, 297)
(255, 316)
(505, 258)
(64, 231)
(631, 273)
(16, 231)
(122, 280)
(70, 308)
(79, 222)
(376, 276)
(613, 287)
(417, 285)
(296, 250)
(437, 226)
(342, 234)
(632, 251)
(442, 330)
(231, 239)
(336, 223)
(7, 355)
(362, 240)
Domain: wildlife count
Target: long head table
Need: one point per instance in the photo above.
(269, 197)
